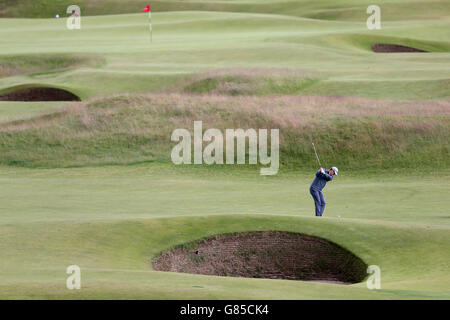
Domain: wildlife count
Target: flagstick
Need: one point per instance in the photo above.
(150, 25)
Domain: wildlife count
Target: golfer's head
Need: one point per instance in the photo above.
(333, 171)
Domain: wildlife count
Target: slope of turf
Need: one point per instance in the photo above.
(24, 110)
(34, 64)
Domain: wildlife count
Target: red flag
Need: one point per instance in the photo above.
(146, 9)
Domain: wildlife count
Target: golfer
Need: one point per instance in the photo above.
(321, 179)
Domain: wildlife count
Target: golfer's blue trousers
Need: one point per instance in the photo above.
(319, 201)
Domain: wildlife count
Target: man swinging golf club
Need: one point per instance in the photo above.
(321, 179)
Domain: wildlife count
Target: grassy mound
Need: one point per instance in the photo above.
(32, 63)
(390, 10)
(249, 81)
(354, 132)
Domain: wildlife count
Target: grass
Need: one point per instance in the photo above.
(112, 221)
(188, 45)
(356, 133)
(44, 64)
(248, 81)
(91, 183)
(15, 111)
(348, 10)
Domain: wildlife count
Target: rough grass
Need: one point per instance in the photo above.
(354, 132)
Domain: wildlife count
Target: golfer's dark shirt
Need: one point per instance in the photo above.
(321, 180)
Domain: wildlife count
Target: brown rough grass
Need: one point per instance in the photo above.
(352, 131)
(285, 111)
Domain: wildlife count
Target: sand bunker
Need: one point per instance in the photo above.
(265, 254)
(393, 48)
(39, 94)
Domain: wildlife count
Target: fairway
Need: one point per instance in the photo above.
(92, 184)
(113, 220)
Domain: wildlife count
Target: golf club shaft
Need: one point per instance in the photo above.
(317, 157)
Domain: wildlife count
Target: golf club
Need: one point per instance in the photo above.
(316, 154)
